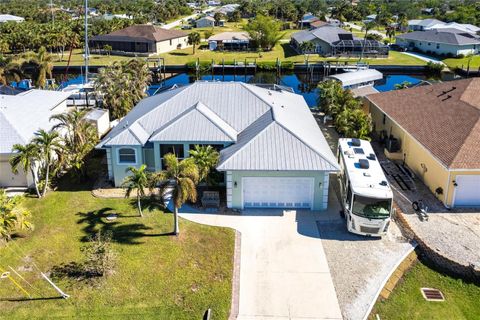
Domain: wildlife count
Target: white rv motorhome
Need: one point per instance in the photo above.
(365, 192)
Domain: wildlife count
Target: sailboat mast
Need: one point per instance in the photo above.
(86, 42)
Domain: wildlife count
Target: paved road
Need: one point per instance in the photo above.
(178, 22)
(359, 28)
(284, 272)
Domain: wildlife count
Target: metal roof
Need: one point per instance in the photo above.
(361, 76)
(269, 129)
(23, 114)
(9, 17)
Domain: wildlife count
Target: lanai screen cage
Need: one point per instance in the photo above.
(355, 47)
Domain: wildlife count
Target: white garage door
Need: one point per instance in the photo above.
(467, 191)
(8, 179)
(269, 192)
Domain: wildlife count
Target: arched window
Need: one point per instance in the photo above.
(127, 156)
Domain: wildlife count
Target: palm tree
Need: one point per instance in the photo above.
(48, 143)
(9, 70)
(79, 139)
(26, 157)
(138, 180)
(368, 26)
(307, 47)
(194, 39)
(179, 181)
(12, 216)
(206, 158)
(42, 62)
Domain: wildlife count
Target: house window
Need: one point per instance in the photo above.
(176, 149)
(127, 156)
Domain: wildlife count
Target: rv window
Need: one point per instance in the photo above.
(349, 197)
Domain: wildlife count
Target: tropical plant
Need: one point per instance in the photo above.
(107, 48)
(42, 63)
(368, 26)
(79, 139)
(218, 16)
(177, 183)
(403, 85)
(137, 180)
(48, 145)
(264, 32)
(9, 70)
(194, 39)
(26, 157)
(206, 158)
(13, 216)
(307, 47)
(123, 85)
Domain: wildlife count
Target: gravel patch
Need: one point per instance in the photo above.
(455, 236)
(358, 264)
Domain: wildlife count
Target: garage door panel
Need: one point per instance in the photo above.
(467, 190)
(273, 192)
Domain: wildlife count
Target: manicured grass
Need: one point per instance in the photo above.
(406, 302)
(158, 276)
(458, 63)
(282, 51)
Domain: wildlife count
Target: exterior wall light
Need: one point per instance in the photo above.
(455, 184)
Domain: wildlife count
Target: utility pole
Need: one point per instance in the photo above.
(87, 51)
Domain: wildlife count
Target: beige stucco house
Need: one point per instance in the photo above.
(140, 40)
(437, 130)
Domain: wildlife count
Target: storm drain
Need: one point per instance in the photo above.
(432, 294)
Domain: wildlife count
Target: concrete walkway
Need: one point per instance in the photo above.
(284, 272)
(423, 57)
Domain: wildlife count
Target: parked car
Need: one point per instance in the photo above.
(187, 27)
(397, 47)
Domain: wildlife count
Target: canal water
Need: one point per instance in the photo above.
(299, 82)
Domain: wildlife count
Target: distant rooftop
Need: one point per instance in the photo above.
(447, 36)
(141, 32)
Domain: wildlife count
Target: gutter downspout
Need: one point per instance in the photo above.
(448, 189)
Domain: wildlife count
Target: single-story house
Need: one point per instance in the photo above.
(205, 22)
(306, 21)
(273, 153)
(449, 42)
(424, 24)
(213, 3)
(228, 9)
(10, 18)
(370, 18)
(110, 16)
(239, 41)
(21, 115)
(318, 24)
(141, 39)
(330, 41)
(461, 27)
(436, 130)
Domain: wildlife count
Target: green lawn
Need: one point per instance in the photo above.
(406, 301)
(158, 276)
(458, 63)
(282, 51)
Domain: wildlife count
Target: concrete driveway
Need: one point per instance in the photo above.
(284, 272)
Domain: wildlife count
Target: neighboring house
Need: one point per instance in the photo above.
(205, 22)
(306, 21)
(318, 24)
(21, 115)
(420, 25)
(461, 27)
(109, 16)
(331, 41)
(238, 41)
(370, 18)
(141, 39)
(273, 153)
(213, 3)
(437, 130)
(228, 9)
(10, 18)
(448, 42)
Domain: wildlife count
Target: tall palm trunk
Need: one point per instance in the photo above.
(176, 229)
(47, 174)
(139, 205)
(35, 182)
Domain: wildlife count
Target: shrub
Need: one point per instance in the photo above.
(100, 259)
(203, 65)
(461, 56)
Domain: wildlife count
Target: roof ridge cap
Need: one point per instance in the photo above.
(214, 122)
